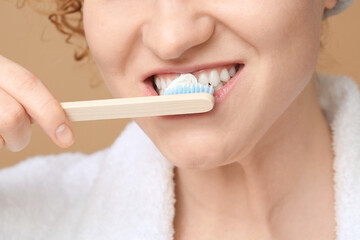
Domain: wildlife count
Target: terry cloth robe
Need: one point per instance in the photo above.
(126, 191)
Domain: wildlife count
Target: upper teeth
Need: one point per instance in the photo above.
(211, 77)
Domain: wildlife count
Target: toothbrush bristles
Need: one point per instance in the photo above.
(193, 88)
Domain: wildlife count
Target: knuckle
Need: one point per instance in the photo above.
(47, 107)
(11, 116)
(23, 80)
(28, 82)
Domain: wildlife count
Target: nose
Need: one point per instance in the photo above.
(174, 27)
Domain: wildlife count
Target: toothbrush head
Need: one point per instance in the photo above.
(189, 88)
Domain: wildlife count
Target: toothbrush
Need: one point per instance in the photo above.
(183, 96)
(139, 106)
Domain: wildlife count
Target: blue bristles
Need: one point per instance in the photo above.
(181, 89)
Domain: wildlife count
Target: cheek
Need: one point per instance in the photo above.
(283, 20)
(273, 27)
(111, 33)
(286, 36)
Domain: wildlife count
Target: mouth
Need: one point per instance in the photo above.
(217, 77)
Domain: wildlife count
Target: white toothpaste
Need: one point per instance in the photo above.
(183, 79)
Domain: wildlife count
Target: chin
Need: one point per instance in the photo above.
(200, 153)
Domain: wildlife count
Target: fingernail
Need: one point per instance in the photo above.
(65, 135)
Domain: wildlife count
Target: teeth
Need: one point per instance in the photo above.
(232, 71)
(224, 75)
(214, 78)
(163, 84)
(158, 82)
(203, 79)
(168, 81)
(220, 85)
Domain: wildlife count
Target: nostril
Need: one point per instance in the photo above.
(168, 49)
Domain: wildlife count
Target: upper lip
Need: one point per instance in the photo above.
(187, 69)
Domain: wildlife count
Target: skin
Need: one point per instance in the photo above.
(24, 100)
(258, 166)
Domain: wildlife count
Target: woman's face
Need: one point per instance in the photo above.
(276, 41)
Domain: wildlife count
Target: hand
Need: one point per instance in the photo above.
(24, 99)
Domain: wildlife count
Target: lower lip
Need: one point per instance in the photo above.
(219, 95)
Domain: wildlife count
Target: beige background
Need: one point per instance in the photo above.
(30, 40)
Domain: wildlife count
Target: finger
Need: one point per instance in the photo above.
(15, 127)
(38, 102)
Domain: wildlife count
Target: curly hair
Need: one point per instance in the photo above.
(67, 17)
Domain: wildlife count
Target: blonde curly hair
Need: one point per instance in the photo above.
(67, 17)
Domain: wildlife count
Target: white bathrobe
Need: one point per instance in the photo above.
(127, 191)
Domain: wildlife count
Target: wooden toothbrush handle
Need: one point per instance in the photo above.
(139, 106)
